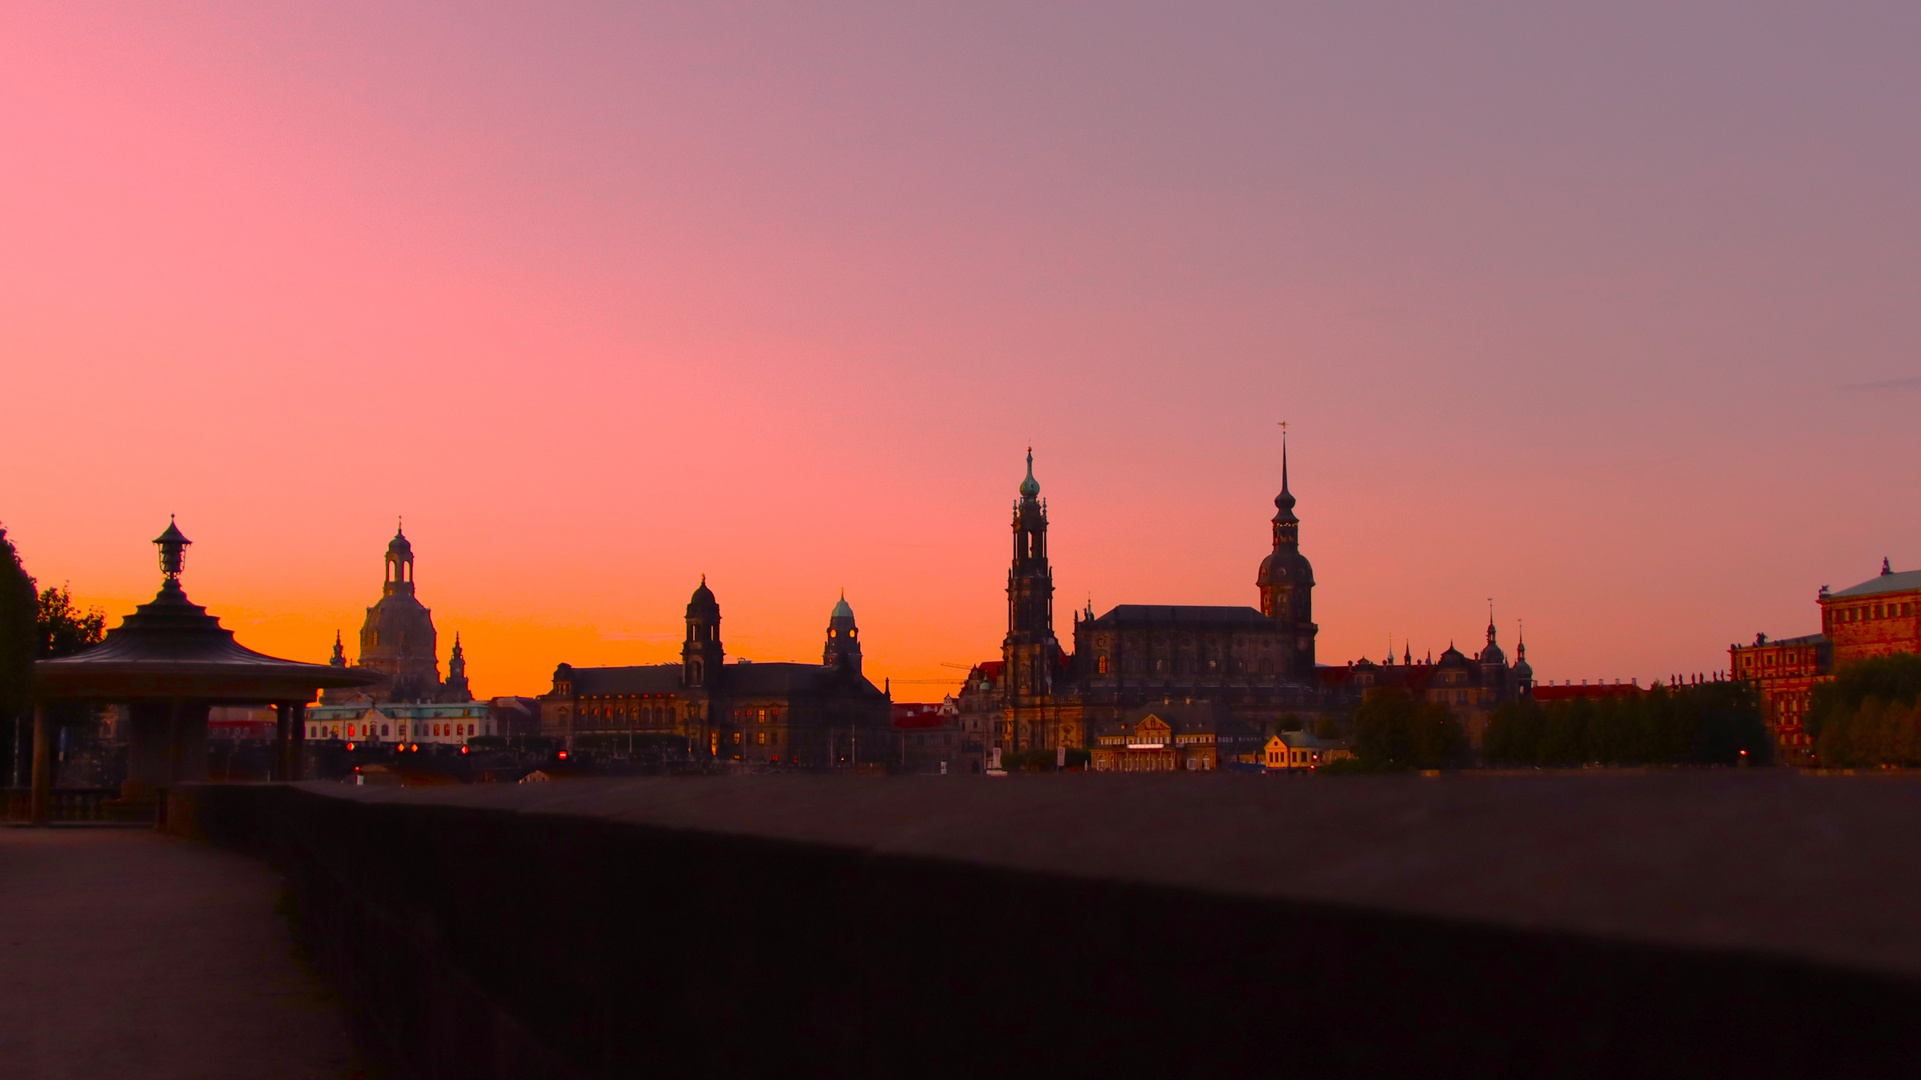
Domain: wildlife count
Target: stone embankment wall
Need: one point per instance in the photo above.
(1084, 926)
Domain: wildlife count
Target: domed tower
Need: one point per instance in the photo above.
(701, 654)
(398, 638)
(1523, 672)
(1286, 581)
(843, 638)
(1029, 648)
(1494, 670)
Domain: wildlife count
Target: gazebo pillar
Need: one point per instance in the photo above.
(297, 759)
(41, 807)
(291, 738)
(281, 740)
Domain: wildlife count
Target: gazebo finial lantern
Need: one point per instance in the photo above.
(170, 662)
(173, 551)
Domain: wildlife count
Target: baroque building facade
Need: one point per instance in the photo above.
(1879, 617)
(825, 715)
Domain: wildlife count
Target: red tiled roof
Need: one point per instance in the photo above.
(917, 715)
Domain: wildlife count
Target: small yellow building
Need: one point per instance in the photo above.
(1301, 750)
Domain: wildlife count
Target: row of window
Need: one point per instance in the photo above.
(1181, 666)
(1858, 612)
(367, 731)
(1750, 663)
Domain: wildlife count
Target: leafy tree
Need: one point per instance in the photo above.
(35, 625)
(1891, 678)
(1393, 731)
(1707, 724)
(19, 638)
(61, 628)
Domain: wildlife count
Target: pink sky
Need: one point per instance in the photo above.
(1607, 314)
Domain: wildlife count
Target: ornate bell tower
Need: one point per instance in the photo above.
(1032, 717)
(700, 654)
(843, 639)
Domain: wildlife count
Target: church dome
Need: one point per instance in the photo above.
(703, 599)
(1286, 566)
(399, 547)
(841, 610)
(1030, 487)
(1453, 657)
(1493, 654)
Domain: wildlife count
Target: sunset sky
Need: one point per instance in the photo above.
(1607, 312)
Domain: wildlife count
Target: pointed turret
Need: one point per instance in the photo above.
(457, 674)
(340, 653)
(1286, 579)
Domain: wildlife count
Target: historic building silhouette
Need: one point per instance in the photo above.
(398, 641)
(1252, 668)
(824, 715)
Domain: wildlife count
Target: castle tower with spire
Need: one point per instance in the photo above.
(455, 689)
(1286, 583)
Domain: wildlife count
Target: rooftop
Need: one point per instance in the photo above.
(1904, 581)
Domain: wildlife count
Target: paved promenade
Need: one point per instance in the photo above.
(127, 954)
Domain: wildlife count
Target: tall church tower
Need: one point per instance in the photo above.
(843, 639)
(1286, 581)
(1033, 718)
(1029, 646)
(700, 654)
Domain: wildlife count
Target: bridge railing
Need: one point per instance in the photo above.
(71, 804)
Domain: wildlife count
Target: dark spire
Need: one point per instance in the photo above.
(340, 653)
(1285, 500)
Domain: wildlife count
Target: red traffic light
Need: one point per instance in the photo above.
(463, 749)
(350, 746)
(563, 755)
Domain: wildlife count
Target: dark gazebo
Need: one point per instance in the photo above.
(170, 662)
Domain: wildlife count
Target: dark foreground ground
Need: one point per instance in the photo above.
(1734, 923)
(128, 954)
